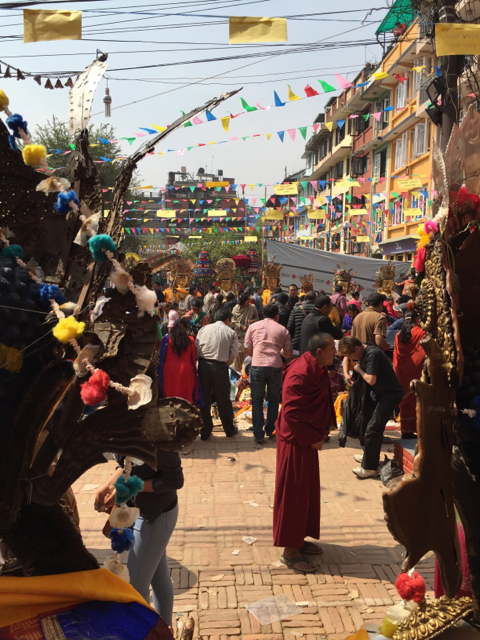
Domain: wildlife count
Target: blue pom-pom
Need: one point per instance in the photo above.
(125, 491)
(122, 539)
(99, 245)
(47, 292)
(62, 205)
(12, 251)
(14, 122)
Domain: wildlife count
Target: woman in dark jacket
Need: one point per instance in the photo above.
(147, 561)
(297, 316)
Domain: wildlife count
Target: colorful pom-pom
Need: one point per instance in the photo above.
(125, 491)
(33, 154)
(4, 101)
(431, 226)
(15, 122)
(68, 329)
(47, 292)
(122, 539)
(12, 251)
(99, 245)
(62, 205)
(420, 257)
(94, 391)
(411, 588)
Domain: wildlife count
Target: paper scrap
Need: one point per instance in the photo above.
(249, 539)
(273, 609)
(89, 487)
(217, 578)
(235, 552)
(277, 563)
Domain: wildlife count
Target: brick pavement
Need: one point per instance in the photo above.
(354, 584)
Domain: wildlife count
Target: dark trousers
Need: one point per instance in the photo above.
(382, 413)
(271, 378)
(215, 383)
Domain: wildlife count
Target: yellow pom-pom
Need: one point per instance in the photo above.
(33, 153)
(4, 101)
(68, 329)
(424, 237)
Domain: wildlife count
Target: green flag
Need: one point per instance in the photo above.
(247, 107)
(326, 87)
(303, 131)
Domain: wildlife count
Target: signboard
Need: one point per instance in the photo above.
(357, 212)
(217, 213)
(412, 213)
(405, 184)
(274, 215)
(166, 213)
(217, 184)
(251, 239)
(452, 39)
(316, 214)
(286, 189)
(363, 239)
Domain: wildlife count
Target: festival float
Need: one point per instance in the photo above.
(74, 386)
(428, 508)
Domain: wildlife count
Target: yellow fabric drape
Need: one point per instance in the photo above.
(24, 598)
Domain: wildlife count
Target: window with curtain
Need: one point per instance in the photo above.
(399, 152)
(419, 139)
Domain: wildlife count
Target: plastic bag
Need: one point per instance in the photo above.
(389, 470)
(273, 609)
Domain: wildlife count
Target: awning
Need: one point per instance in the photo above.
(401, 244)
(400, 13)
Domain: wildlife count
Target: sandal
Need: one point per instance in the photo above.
(311, 549)
(291, 562)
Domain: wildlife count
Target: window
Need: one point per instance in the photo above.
(398, 216)
(420, 203)
(399, 154)
(376, 165)
(419, 142)
(361, 165)
(401, 93)
(339, 134)
(338, 170)
(361, 123)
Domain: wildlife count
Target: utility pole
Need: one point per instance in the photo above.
(449, 67)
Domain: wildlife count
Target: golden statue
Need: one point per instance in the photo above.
(385, 279)
(307, 283)
(225, 269)
(181, 273)
(342, 277)
(271, 279)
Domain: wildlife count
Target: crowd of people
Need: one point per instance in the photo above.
(286, 345)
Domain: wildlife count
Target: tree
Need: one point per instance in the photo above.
(54, 135)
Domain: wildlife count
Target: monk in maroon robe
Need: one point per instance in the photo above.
(303, 424)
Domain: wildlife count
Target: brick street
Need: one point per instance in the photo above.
(224, 500)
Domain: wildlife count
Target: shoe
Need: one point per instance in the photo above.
(363, 474)
(409, 436)
(271, 435)
(327, 439)
(358, 457)
(260, 441)
(386, 440)
(235, 431)
(205, 436)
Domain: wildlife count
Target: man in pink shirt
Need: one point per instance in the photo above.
(264, 341)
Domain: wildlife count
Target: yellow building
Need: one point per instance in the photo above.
(409, 132)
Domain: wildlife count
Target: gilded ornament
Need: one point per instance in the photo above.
(431, 618)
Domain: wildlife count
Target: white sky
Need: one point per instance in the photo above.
(255, 160)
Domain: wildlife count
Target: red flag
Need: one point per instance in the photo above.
(400, 77)
(310, 91)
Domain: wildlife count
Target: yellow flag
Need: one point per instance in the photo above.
(380, 75)
(291, 95)
(226, 122)
(453, 38)
(268, 136)
(246, 29)
(40, 25)
(252, 186)
(328, 125)
(419, 69)
(158, 128)
(162, 153)
(212, 143)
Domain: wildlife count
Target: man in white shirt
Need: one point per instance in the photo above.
(209, 298)
(217, 347)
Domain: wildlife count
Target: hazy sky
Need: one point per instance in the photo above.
(134, 39)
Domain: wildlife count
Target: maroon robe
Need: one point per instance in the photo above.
(306, 416)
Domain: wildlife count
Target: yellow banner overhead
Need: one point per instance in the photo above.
(412, 213)
(318, 214)
(405, 184)
(245, 29)
(357, 212)
(217, 213)
(217, 184)
(167, 213)
(452, 39)
(40, 25)
(363, 239)
(272, 214)
(250, 239)
(286, 189)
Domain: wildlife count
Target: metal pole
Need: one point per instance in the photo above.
(449, 66)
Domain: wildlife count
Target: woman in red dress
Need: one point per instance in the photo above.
(177, 370)
(408, 358)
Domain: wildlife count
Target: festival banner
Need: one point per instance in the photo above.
(244, 30)
(406, 184)
(286, 189)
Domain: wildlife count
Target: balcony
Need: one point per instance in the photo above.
(338, 153)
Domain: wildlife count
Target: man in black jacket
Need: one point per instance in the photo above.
(318, 322)
(283, 310)
(297, 316)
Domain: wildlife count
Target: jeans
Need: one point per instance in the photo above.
(382, 413)
(261, 377)
(147, 561)
(215, 382)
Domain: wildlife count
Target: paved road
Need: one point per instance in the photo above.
(360, 562)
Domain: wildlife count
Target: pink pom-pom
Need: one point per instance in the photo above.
(431, 226)
(419, 262)
(411, 588)
(94, 391)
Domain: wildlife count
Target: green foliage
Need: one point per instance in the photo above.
(54, 135)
